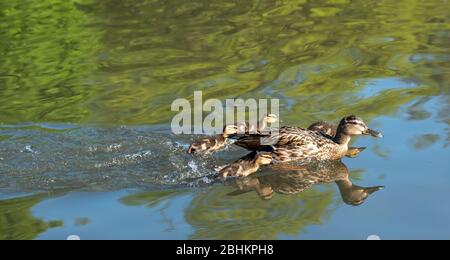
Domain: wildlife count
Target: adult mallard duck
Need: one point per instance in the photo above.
(213, 143)
(249, 128)
(294, 180)
(296, 144)
(330, 130)
(245, 166)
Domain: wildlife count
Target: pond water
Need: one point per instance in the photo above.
(85, 94)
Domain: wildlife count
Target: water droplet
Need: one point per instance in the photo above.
(28, 149)
(193, 166)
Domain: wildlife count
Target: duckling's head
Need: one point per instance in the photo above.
(263, 158)
(230, 130)
(271, 118)
(323, 127)
(265, 192)
(353, 125)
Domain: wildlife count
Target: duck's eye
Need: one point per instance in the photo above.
(358, 123)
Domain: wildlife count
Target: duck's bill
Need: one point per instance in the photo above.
(371, 190)
(375, 133)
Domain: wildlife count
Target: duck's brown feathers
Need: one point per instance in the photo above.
(207, 144)
(324, 128)
(291, 181)
(242, 167)
(294, 143)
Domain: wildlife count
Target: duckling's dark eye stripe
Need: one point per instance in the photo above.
(267, 156)
(356, 123)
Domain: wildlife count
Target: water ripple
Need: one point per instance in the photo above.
(35, 159)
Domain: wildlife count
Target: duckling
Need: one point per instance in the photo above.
(210, 144)
(245, 166)
(294, 143)
(324, 127)
(248, 128)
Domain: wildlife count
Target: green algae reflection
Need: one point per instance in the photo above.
(126, 61)
(17, 220)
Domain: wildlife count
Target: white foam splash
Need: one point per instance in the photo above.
(108, 149)
(125, 159)
(28, 149)
(193, 166)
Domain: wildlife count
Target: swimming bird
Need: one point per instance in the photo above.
(245, 166)
(295, 143)
(294, 179)
(210, 144)
(330, 130)
(249, 128)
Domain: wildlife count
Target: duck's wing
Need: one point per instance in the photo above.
(260, 142)
(247, 158)
(301, 144)
(289, 142)
(263, 141)
(299, 138)
(251, 142)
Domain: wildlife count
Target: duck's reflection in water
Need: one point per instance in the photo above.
(293, 179)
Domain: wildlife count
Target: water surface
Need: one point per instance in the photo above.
(85, 94)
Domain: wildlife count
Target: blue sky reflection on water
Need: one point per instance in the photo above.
(110, 218)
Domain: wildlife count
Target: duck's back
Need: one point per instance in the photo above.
(292, 143)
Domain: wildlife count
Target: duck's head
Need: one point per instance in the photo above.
(356, 195)
(230, 130)
(353, 125)
(271, 118)
(263, 158)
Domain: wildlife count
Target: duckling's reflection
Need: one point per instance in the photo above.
(293, 179)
